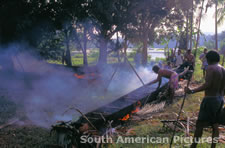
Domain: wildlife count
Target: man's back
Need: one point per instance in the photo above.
(166, 73)
(215, 77)
(223, 82)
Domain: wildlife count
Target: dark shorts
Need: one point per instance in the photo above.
(210, 109)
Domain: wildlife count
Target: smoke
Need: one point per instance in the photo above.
(47, 90)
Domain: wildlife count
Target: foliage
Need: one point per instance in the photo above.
(209, 44)
(80, 21)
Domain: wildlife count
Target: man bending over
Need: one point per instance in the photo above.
(169, 74)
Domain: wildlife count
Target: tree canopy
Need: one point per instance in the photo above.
(39, 23)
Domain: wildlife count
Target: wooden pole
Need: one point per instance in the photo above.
(135, 71)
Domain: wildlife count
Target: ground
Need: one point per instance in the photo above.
(147, 122)
(150, 125)
(17, 131)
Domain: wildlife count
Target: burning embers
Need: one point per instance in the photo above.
(91, 78)
(137, 107)
(86, 76)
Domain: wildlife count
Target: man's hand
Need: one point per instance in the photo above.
(157, 88)
(188, 90)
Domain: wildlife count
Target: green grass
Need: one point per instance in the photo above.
(154, 128)
(77, 59)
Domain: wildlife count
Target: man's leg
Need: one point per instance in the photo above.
(215, 135)
(171, 92)
(204, 73)
(198, 132)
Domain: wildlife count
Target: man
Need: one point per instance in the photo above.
(212, 103)
(179, 59)
(189, 59)
(169, 74)
(204, 61)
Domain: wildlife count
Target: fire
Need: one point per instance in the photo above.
(87, 75)
(137, 109)
(79, 76)
(125, 117)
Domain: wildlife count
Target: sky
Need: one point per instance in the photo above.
(208, 23)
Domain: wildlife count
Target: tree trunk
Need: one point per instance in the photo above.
(68, 56)
(63, 57)
(145, 50)
(187, 30)
(216, 36)
(118, 46)
(103, 52)
(125, 46)
(191, 34)
(85, 60)
(199, 25)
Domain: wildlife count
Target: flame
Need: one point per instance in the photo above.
(87, 75)
(125, 117)
(137, 109)
(79, 76)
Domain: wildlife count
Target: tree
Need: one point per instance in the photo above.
(102, 13)
(216, 21)
(219, 16)
(222, 51)
(147, 16)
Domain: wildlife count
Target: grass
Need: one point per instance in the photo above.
(154, 128)
(77, 59)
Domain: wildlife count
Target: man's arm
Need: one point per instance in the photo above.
(201, 57)
(223, 70)
(158, 79)
(159, 83)
(185, 57)
(193, 60)
(208, 82)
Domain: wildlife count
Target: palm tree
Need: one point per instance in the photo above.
(192, 15)
(216, 35)
(199, 24)
(219, 13)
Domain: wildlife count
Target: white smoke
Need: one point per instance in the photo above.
(49, 90)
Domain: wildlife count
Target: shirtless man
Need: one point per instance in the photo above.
(212, 103)
(169, 74)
